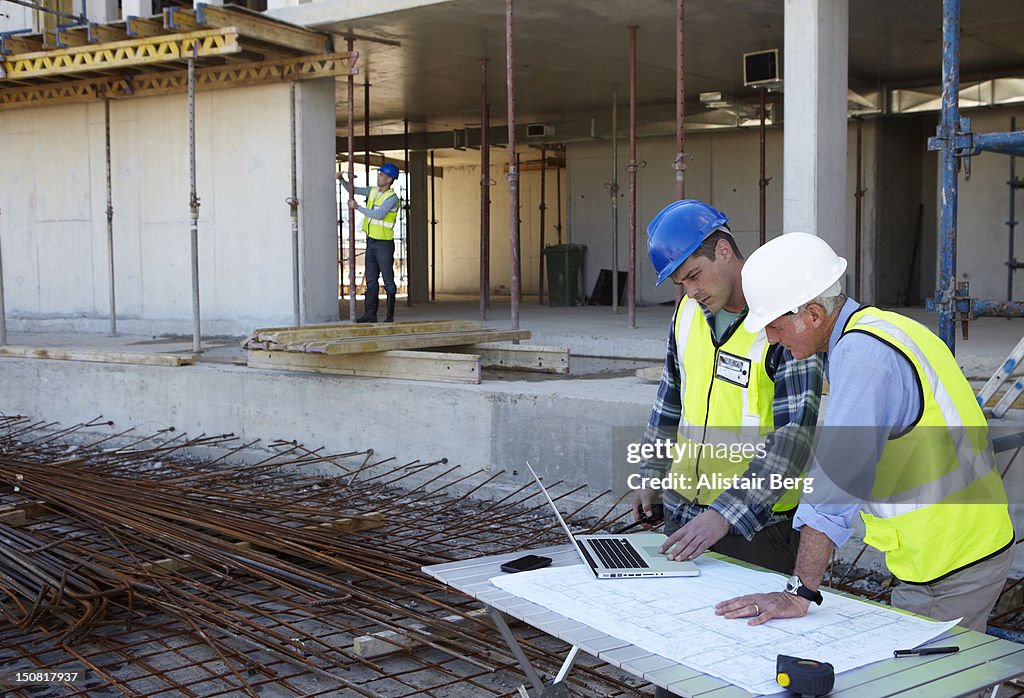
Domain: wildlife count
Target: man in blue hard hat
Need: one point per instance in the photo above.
(379, 216)
(735, 416)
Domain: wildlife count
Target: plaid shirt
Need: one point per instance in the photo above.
(797, 399)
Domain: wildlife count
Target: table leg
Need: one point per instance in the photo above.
(517, 651)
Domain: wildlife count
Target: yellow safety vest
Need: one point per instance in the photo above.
(938, 503)
(726, 397)
(384, 228)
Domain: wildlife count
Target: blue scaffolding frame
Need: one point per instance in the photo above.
(957, 143)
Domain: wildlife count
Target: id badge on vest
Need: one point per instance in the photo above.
(733, 369)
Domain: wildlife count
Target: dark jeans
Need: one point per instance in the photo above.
(379, 261)
(773, 547)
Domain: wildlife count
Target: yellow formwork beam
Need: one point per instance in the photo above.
(121, 54)
(147, 85)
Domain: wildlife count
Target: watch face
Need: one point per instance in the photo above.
(793, 583)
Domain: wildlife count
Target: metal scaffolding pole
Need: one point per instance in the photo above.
(193, 202)
(351, 193)
(956, 142)
(1012, 264)
(513, 170)
(949, 125)
(613, 190)
(680, 162)
(762, 182)
(366, 131)
(632, 177)
(543, 207)
(293, 206)
(485, 194)
(110, 222)
(558, 193)
(433, 231)
(858, 196)
(405, 216)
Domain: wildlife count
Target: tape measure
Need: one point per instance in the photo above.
(805, 677)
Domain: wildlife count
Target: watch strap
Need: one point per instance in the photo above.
(805, 593)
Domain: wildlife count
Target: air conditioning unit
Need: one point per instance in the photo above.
(538, 130)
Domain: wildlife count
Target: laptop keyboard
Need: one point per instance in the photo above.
(617, 553)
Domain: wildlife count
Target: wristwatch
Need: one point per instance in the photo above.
(796, 587)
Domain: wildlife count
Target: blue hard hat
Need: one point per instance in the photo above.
(390, 170)
(677, 231)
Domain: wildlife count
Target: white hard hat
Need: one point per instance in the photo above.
(785, 273)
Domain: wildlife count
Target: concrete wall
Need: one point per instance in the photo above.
(984, 203)
(458, 229)
(54, 229)
(906, 212)
(723, 171)
(564, 428)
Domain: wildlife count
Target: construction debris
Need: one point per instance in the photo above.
(109, 357)
(389, 350)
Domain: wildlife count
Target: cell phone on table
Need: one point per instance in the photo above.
(525, 563)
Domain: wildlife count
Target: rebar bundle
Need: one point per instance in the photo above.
(152, 572)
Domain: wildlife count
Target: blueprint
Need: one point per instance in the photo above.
(675, 618)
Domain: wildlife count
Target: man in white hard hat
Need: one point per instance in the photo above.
(723, 389)
(904, 443)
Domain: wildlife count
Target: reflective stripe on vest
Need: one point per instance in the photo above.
(723, 421)
(938, 503)
(380, 229)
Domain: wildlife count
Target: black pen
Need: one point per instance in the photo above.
(925, 650)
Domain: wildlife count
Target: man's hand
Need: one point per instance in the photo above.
(761, 608)
(643, 504)
(696, 536)
(352, 204)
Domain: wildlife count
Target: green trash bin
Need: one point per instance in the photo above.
(565, 274)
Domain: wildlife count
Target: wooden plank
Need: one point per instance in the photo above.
(24, 43)
(410, 365)
(141, 27)
(19, 514)
(100, 33)
(256, 26)
(72, 36)
(348, 524)
(109, 357)
(180, 19)
(519, 357)
(287, 335)
(359, 345)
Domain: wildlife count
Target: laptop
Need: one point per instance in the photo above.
(611, 556)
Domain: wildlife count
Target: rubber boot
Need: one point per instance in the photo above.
(369, 309)
(391, 308)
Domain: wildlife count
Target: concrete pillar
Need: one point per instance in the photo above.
(137, 8)
(98, 11)
(418, 260)
(814, 149)
(318, 206)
